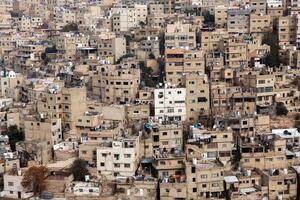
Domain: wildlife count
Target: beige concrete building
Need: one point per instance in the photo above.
(117, 83)
(235, 52)
(238, 20)
(167, 138)
(211, 40)
(43, 127)
(259, 7)
(221, 16)
(281, 183)
(197, 96)
(287, 30)
(119, 158)
(180, 35)
(260, 23)
(256, 155)
(180, 61)
(205, 179)
(109, 46)
(62, 103)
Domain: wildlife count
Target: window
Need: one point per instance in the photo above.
(194, 189)
(193, 169)
(165, 133)
(127, 165)
(203, 176)
(127, 155)
(10, 183)
(83, 152)
(117, 165)
(204, 185)
(102, 164)
(257, 160)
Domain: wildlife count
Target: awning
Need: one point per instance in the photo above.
(289, 153)
(231, 179)
(247, 190)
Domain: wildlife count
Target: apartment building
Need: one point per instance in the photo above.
(265, 152)
(63, 103)
(260, 23)
(137, 113)
(67, 43)
(209, 144)
(235, 52)
(287, 30)
(170, 103)
(29, 23)
(147, 46)
(221, 16)
(264, 85)
(119, 158)
(275, 8)
(180, 35)
(180, 62)
(211, 40)
(29, 55)
(43, 128)
(125, 17)
(238, 20)
(281, 182)
(214, 65)
(10, 80)
(243, 184)
(259, 7)
(205, 179)
(109, 46)
(197, 96)
(156, 16)
(13, 187)
(117, 83)
(162, 137)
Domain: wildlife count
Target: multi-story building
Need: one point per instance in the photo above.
(211, 40)
(197, 96)
(221, 16)
(170, 103)
(235, 53)
(205, 179)
(180, 62)
(119, 158)
(259, 7)
(281, 182)
(260, 23)
(62, 103)
(109, 46)
(43, 128)
(180, 35)
(238, 20)
(117, 83)
(287, 30)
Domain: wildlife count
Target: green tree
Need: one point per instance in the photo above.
(146, 75)
(272, 58)
(15, 135)
(79, 169)
(70, 27)
(48, 50)
(281, 109)
(127, 55)
(34, 179)
(209, 19)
